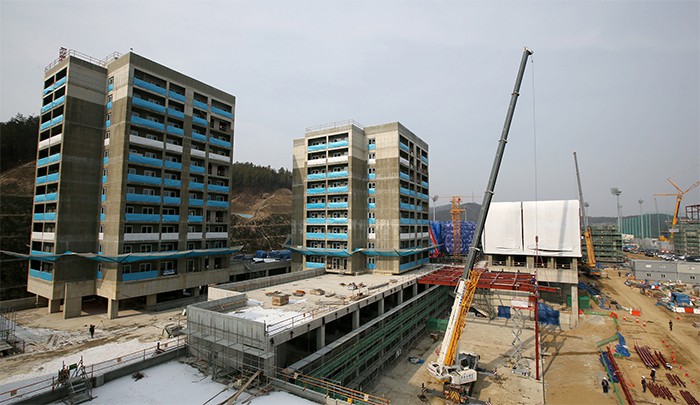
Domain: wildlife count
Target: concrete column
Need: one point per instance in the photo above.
(356, 319)
(321, 337)
(195, 292)
(72, 304)
(415, 289)
(151, 300)
(399, 297)
(54, 306)
(381, 306)
(112, 309)
(574, 305)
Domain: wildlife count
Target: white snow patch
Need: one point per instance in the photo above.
(268, 316)
(252, 303)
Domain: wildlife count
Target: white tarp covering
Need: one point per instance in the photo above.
(503, 232)
(511, 228)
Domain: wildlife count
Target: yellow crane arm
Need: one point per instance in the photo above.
(450, 353)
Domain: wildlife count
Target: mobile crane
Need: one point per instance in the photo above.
(590, 264)
(679, 197)
(457, 371)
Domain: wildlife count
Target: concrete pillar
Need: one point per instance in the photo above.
(399, 297)
(195, 292)
(72, 304)
(381, 306)
(321, 337)
(356, 319)
(112, 309)
(281, 351)
(54, 306)
(151, 300)
(415, 289)
(574, 305)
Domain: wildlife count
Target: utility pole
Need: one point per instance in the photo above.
(616, 192)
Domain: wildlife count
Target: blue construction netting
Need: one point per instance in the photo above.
(443, 231)
(605, 361)
(128, 257)
(547, 314)
(503, 311)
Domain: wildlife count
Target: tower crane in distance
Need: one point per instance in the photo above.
(679, 197)
(457, 371)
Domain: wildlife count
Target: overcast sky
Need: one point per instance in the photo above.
(617, 82)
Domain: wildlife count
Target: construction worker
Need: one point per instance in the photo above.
(653, 375)
(670, 325)
(605, 384)
(644, 384)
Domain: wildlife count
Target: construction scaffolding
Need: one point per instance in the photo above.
(9, 342)
(687, 240)
(607, 244)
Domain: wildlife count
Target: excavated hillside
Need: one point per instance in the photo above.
(261, 221)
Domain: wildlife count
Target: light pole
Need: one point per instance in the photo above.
(616, 192)
(435, 198)
(658, 224)
(641, 218)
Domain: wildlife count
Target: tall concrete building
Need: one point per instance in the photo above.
(360, 199)
(133, 172)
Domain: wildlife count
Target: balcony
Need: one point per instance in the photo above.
(132, 237)
(372, 176)
(315, 206)
(172, 183)
(45, 197)
(49, 178)
(175, 130)
(316, 162)
(44, 236)
(176, 96)
(194, 218)
(196, 186)
(176, 113)
(215, 203)
(55, 86)
(339, 236)
(372, 205)
(337, 205)
(407, 221)
(172, 147)
(404, 161)
(424, 184)
(335, 221)
(372, 191)
(403, 146)
(140, 275)
(221, 112)
(194, 235)
(43, 275)
(313, 148)
(51, 122)
(53, 104)
(139, 178)
(109, 105)
(147, 123)
(316, 176)
(105, 160)
(142, 217)
(338, 159)
(372, 236)
(316, 221)
(221, 158)
(339, 189)
(409, 207)
(104, 179)
(406, 235)
(169, 164)
(338, 144)
(171, 218)
(102, 217)
(217, 188)
(372, 146)
(335, 175)
(405, 191)
(372, 221)
(196, 202)
(149, 105)
(198, 153)
(108, 124)
(48, 160)
(320, 190)
(199, 137)
(216, 235)
(171, 200)
(170, 236)
(371, 266)
(315, 235)
(199, 121)
(201, 105)
(54, 140)
(424, 159)
(150, 86)
(144, 198)
(220, 142)
(404, 176)
(196, 169)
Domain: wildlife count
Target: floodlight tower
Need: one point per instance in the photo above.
(616, 192)
(641, 218)
(435, 198)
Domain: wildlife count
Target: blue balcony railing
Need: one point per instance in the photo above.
(215, 203)
(403, 146)
(337, 205)
(315, 235)
(200, 104)
(45, 197)
(134, 158)
(372, 176)
(171, 218)
(315, 221)
(169, 164)
(199, 137)
(405, 206)
(171, 200)
(313, 148)
(320, 190)
(424, 184)
(313, 265)
(425, 159)
(51, 122)
(45, 216)
(340, 174)
(196, 202)
(175, 113)
(108, 123)
(407, 221)
(315, 206)
(316, 176)
(404, 191)
(46, 276)
(110, 87)
(372, 191)
(48, 160)
(55, 86)
(49, 178)
(147, 123)
(221, 112)
(139, 178)
(148, 105)
(372, 221)
(53, 104)
(102, 217)
(194, 218)
(339, 189)
(372, 146)
(339, 221)
(103, 198)
(109, 105)
(141, 217)
(133, 197)
(371, 206)
(196, 186)
(175, 130)
(140, 275)
(199, 121)
(371, 266)
(408, 265)
(337, 144)
(196, 169)
(341, 236)
(220, 142)
(172, 182)
(216, 187)
(104, 179)
(150, 86)
(404, 176)
(176, 96)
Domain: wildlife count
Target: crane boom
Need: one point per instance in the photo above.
(590, 252)
(679, 197)
(451, 366)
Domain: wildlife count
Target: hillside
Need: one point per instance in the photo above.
(261, 221)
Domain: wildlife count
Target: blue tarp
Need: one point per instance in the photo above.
(547, 314)
(503, 311)
(127, 258)
(445, 236)
(621, 347)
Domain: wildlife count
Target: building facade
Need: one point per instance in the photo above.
(133, 174)
(360, 199)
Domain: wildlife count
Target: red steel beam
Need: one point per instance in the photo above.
(500, 280)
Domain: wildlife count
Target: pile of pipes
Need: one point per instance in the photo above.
(674, 379)
(645, 354)
(689, 398)
(660, 391)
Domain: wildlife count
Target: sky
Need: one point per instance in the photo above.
(616, 81)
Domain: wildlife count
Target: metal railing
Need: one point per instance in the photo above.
(337, 124)
(88, 58)
(328, 388)
(49, 384)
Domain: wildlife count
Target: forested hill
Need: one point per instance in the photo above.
(18, 141)
(251, 177)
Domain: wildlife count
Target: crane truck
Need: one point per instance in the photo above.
(590, 265)
(457, 371)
